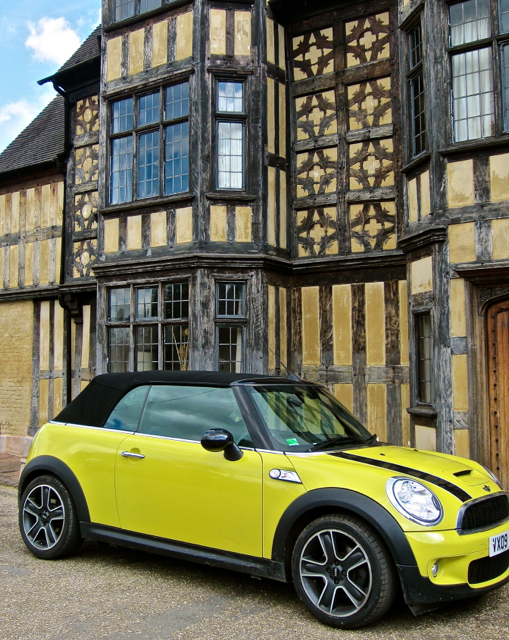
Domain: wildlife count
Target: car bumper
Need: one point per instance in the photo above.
(463, 567)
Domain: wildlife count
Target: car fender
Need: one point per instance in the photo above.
(51, 465)
(350, 501)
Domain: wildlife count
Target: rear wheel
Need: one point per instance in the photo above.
(342, 572)
(47, 519)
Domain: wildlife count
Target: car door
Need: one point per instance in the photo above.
(169, 486)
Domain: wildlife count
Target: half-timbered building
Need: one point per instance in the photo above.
(250, 186)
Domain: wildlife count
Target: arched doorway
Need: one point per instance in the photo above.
(498, 384)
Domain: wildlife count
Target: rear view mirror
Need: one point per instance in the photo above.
(216, 440)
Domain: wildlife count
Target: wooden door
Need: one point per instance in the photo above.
(498, 354)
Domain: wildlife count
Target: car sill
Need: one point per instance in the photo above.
(259, 567)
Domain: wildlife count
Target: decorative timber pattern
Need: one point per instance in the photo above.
(83, 192)
(344, 164)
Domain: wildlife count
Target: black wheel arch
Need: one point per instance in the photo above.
(49, 465)
(320, 502)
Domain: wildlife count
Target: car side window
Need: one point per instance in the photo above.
(186, 412)
(125, 416)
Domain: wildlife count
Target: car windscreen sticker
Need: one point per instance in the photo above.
(292, 442)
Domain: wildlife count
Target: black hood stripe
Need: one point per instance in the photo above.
(440, 482)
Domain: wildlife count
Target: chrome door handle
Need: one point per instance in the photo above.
(129, 454)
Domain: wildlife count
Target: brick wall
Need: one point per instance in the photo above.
(16, 327)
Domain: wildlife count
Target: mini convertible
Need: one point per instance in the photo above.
(269, 476)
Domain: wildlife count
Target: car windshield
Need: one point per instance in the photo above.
(307, 418)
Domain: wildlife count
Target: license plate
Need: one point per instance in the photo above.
(499, 544)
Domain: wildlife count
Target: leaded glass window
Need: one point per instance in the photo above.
(230, 135)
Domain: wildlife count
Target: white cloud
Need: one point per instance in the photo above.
(15, 116)
(52, 40)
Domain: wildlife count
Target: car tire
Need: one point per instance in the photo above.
(342, 572)
(47, 519)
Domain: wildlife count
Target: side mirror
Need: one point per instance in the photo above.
(216, 440)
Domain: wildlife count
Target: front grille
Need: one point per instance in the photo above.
(486, 569)
(485, 513)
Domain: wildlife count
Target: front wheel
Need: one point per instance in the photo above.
(47, 519)
(342, 572)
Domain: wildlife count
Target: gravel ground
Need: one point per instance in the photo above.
(115, 593)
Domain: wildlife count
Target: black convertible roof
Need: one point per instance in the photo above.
(95, 403)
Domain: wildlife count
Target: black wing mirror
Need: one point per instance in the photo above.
(216, 440)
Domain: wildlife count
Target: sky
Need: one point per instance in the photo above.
(37, 37)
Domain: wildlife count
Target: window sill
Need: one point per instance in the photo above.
(416, 162)
(146, 204)
(231, 195)
(423, 411)
(475, 145)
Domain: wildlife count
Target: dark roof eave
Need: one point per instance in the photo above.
(41, 168)
(87, 71)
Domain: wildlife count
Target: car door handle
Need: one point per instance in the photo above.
(129, 454)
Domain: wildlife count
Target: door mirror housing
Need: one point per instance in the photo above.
(216, 440)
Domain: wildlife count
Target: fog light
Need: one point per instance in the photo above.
(434, 569)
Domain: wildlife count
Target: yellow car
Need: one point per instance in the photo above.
(269, 476)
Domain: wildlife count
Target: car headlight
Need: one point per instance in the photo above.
(492, 476)
(415, 501)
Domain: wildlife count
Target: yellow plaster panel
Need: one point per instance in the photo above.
(111, 235)
(217, 32)
(422, 275)
(44, 254)
(2, 267)
(184, 47)
(158, 229)
(282, 210)
(46, 206)
(342, 324)
(29, 264)
(85, 348)
(282, 119)
(458, 319)
(403, 321)
(58, 337)
(375, 324)
(33, 217)
(218, 224)
(13, 266)
(460, 183)
(460, 382)
(271, 46)
(281, 42)
(462, 242)
(114, 59)
(271, 116)
(43, 401)
(58, 210)
(425, 438)
(271, 318)
(58, 257)
(160, 43)
(500, 232)
(412, 200)
(271, 217)
(184, 224)
(425, 195)
(499, 177)
(462, 443)
(136, 45)
(377, 410)
(16, 209)
(243, 224)
(134, 240)
(344, 393)
(57, 395)
(310, 326)
(3, 213)
(283, 325)
(405, 416)
(44, 335)
(242, 46)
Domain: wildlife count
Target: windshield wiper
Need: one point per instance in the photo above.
(340, 440)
